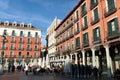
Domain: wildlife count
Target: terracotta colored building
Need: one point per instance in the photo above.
(22, 44)
(90, 34)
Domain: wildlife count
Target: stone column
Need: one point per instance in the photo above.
(76, 58)
(40, 62)
(83, 56)
(108, 60)
(93, 57)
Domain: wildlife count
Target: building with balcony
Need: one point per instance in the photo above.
(90, 34)
(51, 41)
(23, 42)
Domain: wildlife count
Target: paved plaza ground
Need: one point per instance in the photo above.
(22, 76)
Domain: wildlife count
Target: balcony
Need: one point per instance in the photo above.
(21, 49)
(12, 48)
(77, 47)
(77, 31)
(36, 42)
(21, 41)
(68, 25)
(96, 20)
(36, 49)
(12, 56)
(28, 56)
(29, 35)
(96, 40)
(29, 49)
(3, 48)
(29, 42)
(112, 10)
(93, 5)
(113, 35)
(85, 44)
(83, 13)
(84, 27)
(13, 41)
(76, 19)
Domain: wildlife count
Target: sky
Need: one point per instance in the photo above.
(40, 13)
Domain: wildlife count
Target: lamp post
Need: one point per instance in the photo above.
(2, 53)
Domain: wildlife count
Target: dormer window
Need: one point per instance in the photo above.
(29, 25)
(14, 24)
(22, 25)
(6, 23)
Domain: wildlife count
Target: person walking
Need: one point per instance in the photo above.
(26, 69)
(95, 73)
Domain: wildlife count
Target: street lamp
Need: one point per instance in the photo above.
(2, 53)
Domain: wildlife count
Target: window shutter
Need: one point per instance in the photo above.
(109, 28)
(116, 24)
(111, 4)
(94, 34)
(96, 14)
(85, 21)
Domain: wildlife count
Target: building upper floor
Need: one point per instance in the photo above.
(89, 23)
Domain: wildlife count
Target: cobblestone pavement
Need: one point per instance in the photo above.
(22, 76)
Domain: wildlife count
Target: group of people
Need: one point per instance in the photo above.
(11, 67)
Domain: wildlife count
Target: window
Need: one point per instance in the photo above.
(96, 34)
(5, 32)
(93, 3)
(95, 13)
(85, 38)
(35, 54)
(3, 46)
(77, 42)
(28, 54)
(72, 30)
(113, 27)
(29, 40)
(29, 34)
(12, 46)
(21, 33)
(83, 9)
(77, 16)
(36, 34)
(20, 54)
(72, 44)
(13, 39)
(20, 47)
(85, 23)
(28, 47)
(21, 40)
(36, 40)
(36, 47)
(77, 27)
(13, 32)
(11, 54)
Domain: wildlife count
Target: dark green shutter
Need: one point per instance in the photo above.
(116, 24)
(94, 34)
(78, 27)
(77, 41)
(96, 14)
(86, 37)
(111, 4)
(109, 28)
(83, 10)
(85, 21)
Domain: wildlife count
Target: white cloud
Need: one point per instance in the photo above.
(21, 16)
(4, 4)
